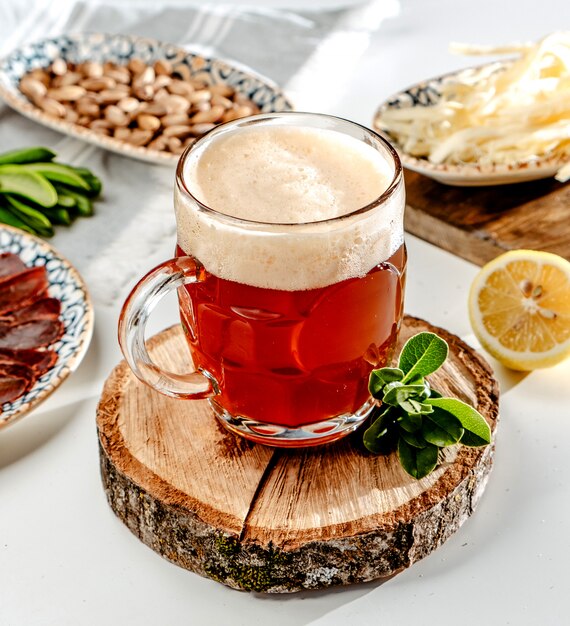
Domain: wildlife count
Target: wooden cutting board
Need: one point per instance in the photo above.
(263, 519)
(479, 223)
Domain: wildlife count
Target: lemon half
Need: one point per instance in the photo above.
(519, 306)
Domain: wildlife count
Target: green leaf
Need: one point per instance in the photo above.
(382, 435)
(95, 184)
(82, 204)
(14, 179)
(59, 173)
(15, 203)
(65, 200)
(34, 219)
(6, 217)
(411, 406)
(470, 419)
(418, 462)
(396, 393)
(471, 440)
(433, 393)
(422, 354)
(426, 393)
(27, 155)
(381, 377)
(57, 215)
(442, 428)
(30, 216)
(414, 407)
(413, 439)
(410, 422)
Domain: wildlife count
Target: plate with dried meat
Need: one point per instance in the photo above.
(46, 322)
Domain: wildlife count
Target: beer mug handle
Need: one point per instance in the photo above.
(138, 306)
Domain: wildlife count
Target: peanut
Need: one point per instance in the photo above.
(158, 105)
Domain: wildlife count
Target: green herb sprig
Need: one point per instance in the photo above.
(415, 419)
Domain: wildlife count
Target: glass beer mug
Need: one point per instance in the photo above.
(290, 270)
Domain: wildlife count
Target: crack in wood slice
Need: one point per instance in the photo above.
(281, 520)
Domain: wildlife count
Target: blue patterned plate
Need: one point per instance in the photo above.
(76, 314)
(426, 94)
(119, 49)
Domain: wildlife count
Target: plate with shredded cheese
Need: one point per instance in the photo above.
(504, 122)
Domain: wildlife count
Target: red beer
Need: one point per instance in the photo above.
(294, 357)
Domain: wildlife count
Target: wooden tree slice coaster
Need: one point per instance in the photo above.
(270, 520)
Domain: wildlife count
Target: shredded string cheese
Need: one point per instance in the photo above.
(502, 113)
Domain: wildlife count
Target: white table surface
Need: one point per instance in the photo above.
(65, 558)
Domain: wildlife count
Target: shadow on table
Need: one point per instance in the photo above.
(335, 597)
(33, 432)
(43, 423)
(508, 379)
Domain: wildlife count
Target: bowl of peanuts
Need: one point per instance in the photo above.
(135, 96)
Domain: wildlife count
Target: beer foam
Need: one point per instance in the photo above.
(292, 178)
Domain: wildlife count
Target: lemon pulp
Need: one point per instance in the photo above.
(519, 306)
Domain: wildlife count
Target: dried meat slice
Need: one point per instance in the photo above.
(39, 360)
(11, 388)
(18, 290)
(45, 308)
(11, 264)
(34, 334)
(17, 370)
(29, 321)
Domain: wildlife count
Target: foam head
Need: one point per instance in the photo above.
(294, 191)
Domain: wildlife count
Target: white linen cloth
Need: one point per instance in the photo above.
(309, 53)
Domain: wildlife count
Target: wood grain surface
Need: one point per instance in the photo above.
(263, 519)
(479, 223)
